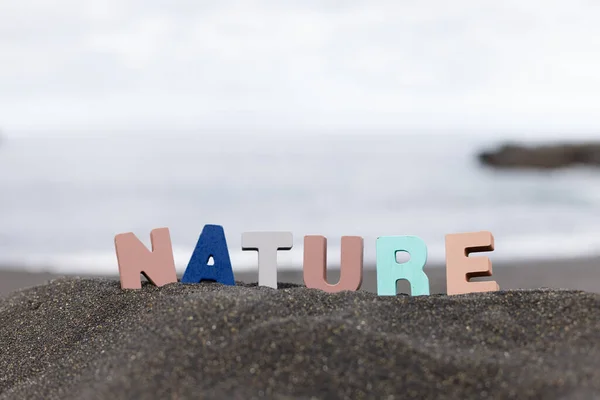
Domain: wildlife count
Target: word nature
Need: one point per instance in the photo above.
(158, 265)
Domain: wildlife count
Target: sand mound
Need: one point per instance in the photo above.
(88, 339)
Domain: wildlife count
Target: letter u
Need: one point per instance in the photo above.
(315, 263)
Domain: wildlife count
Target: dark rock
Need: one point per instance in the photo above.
(542, 157)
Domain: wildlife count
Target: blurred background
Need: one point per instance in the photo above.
(361, 117)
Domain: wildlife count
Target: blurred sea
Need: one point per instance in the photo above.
(65, 197)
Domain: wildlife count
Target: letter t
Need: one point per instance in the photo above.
(267, 244)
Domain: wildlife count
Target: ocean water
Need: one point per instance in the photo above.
(64, 198)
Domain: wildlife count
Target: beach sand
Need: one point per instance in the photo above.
(85, 338)
(88, 339)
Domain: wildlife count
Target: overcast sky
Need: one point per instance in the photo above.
(439, 64)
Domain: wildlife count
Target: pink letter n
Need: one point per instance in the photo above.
(158, 265)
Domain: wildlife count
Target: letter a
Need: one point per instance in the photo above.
(315, 263)
(460, 267)
(211, 243)
(389, 271)
(134, 259)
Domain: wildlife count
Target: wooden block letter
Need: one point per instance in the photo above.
(267, 244)
(315, 263)
(460, 267)
(158, 265)
(211, 243)
(389, 271)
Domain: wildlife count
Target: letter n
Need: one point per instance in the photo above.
(134, 259)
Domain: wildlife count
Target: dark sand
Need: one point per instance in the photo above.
(85, 338)
(88, 339)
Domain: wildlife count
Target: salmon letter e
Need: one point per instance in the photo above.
(460, 267)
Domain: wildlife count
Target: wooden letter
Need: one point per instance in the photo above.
(315, 263)
(389, 271)
(460, 267)
(158, 266)
(211, 243)
(267, 244)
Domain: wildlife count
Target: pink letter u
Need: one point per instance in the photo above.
(315, 263)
